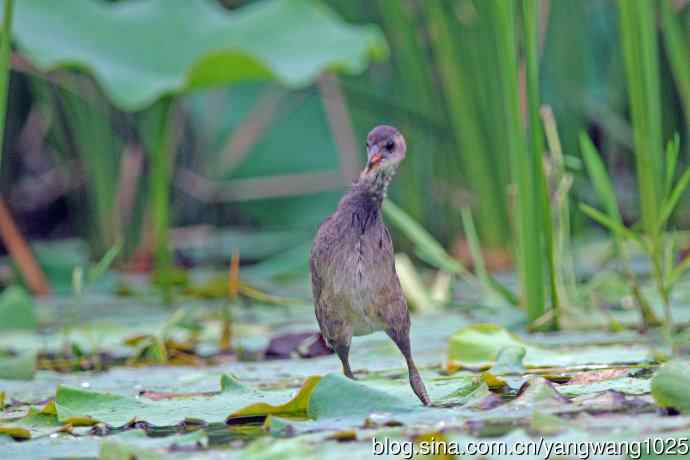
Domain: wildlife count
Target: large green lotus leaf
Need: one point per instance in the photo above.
(117, 410)
(124, 445)
(337, 396)
(337, 402)
(34, 424)
(297, 407)
(670, 385)
(626, 385)
(479, 344)
(348, 401)
(137, 444)
(288, 449)
(142, 50)
(328, 397)
(62, 446)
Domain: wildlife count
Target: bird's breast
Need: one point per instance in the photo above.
(357, 275)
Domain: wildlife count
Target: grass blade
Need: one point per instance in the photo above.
(426, 245)
(672, 201)
(616, 227)
(677, 272)
(600, 178)
(530, 15)
(672, 151)
(413, 81)
(156, 125)
(558, 208)
(474, 245)
(678, 51)
(105, 263)
(88, 126)
(640, 51)
(464, 121)
(528, 205)
(416, 293)
(488, 281)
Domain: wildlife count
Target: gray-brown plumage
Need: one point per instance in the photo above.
(356, 289)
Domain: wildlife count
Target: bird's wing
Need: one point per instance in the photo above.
(315, 279)
(319, 251)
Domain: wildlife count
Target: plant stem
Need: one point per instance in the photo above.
(640, 50)
(677, 50)
(413, 77)
(465, 123)
(5, 50)
(536, 145)
(656, 257)
(160, 193)
(563, 263)
(647, 315)
(489, 283)
(529, 206)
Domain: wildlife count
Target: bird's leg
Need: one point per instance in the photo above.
(343, 350)
(402, 340)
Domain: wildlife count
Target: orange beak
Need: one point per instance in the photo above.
(374, 160)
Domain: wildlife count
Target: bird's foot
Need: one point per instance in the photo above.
(348, 374)
(418, 387)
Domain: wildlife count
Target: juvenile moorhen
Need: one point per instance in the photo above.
(356, 289)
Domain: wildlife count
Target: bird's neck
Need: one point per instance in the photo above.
(373, 185)
(362, 204)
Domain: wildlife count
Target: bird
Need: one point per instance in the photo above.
(352, 262)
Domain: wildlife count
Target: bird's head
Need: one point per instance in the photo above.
(385, 150)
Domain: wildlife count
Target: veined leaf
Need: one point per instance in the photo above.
(142, 50)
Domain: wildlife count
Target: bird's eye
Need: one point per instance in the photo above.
(390, 145)
(367, 144)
